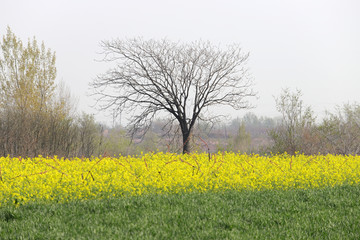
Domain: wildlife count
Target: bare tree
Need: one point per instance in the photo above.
(340, 130)
(297, 121)
(181, 79)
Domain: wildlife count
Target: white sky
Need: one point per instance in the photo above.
(312, 45)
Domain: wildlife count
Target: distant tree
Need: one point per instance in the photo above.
(90, 136)
(251, 119)
(296, 120)
(340, 131)
(180, 79)
(242, 140)
(149, 143)
(116, 142)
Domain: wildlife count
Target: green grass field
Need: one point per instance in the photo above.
(331, 213)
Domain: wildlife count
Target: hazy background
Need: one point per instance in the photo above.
(310, 45)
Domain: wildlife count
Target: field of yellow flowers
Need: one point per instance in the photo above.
(43, 179)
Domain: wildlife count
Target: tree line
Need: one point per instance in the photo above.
(337, 133)
(38, 117)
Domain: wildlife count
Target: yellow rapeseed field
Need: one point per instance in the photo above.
(44, 179)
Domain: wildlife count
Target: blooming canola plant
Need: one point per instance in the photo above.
(43, 179)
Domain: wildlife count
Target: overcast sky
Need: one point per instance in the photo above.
(311, 45)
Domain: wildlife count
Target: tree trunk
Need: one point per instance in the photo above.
(186, 141)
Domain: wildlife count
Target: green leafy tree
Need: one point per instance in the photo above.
(27, 74)
(34, 113)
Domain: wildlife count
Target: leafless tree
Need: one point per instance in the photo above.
(296, 123)
(150, 76)
(340, 130)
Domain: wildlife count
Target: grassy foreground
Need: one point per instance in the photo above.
(329, 213)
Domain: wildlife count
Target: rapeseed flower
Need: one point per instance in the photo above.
(45, 179)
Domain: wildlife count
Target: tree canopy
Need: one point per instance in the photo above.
(27, 73)
(151, 76)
